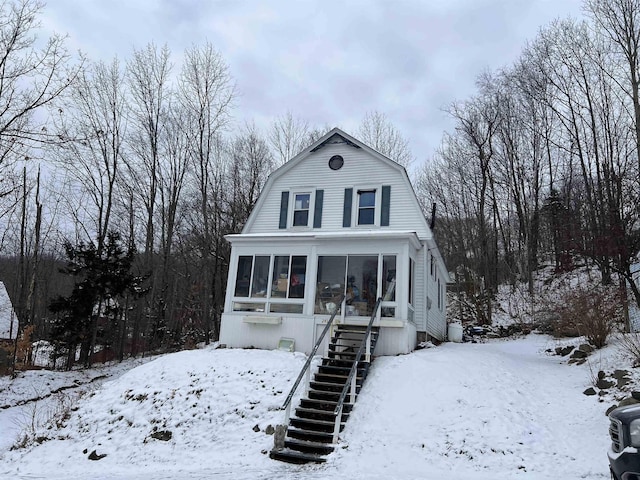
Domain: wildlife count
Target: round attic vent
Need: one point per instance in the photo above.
(336, 162)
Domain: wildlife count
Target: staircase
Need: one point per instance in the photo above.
(312, 431)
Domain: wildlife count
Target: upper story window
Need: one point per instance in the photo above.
(301, 209)
(366, 207)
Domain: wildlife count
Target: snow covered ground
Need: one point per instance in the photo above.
(31, 399)
(497, 410)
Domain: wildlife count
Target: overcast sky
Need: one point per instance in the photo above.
(327, 61)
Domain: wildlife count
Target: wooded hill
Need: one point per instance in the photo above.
(139, 164)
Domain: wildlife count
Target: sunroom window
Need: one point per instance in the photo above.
(358, 277)
(388, 285)
(301, 209)
(261, 278)
(412, 281)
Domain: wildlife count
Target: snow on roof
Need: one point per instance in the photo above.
(8, 320)
(346, 234)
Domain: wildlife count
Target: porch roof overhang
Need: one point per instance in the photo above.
(352, 235)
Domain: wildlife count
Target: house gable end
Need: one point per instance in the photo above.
(364, 169)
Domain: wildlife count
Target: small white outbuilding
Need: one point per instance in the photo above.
(339, 218)
(8, 319)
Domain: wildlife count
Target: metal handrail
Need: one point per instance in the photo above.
(307, 364)
(350, 383)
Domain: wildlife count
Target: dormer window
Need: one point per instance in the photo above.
(301, 209)
(366, 207)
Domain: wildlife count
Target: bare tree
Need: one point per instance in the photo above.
(379, 133)
(288, 137)
(172, 175)
(206, 93)
(251, 164)
(148, 75)
(148, 72)
(30, 77)
(619, 20)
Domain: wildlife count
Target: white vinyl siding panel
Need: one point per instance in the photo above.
(436, 317)
(420, 296)
(313, 172)
(237, 333)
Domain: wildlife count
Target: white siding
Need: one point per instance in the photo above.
(420, 291)
(394, 341)
(236, 333)
(360, 170)
(436, 318)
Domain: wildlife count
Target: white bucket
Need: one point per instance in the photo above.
(454, 332)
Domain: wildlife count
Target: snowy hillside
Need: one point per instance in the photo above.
(495, 410)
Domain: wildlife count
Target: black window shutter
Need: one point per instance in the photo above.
(386, 202)
(317, 211)
(346, 213)
(284, 205)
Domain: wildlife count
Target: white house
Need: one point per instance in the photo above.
(8, 319)
(339, 218)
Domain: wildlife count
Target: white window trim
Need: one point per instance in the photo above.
(411, 291)
(387, 303)
(312, 207)
(355, 205)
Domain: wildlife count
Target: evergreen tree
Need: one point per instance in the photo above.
(95, 310)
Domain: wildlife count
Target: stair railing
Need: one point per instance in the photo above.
(350, 384)
(307, 366)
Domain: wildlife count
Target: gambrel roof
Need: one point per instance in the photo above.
(333, 137)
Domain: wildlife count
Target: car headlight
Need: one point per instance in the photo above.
(634, 432)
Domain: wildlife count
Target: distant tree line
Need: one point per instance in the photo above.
(543, 165)
(118, 183)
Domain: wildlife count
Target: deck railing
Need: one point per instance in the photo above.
(350, 384)
(307, 366)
